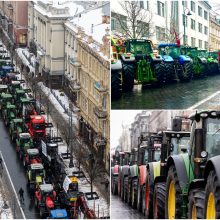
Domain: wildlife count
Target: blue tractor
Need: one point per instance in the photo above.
(180, 66)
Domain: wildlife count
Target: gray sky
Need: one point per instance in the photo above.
(119, 117)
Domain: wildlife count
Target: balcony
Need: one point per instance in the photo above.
(100, 112)
(99, 86)
(75, 86)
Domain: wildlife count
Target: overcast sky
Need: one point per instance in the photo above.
(119, 117)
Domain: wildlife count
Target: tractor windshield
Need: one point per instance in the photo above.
(172, 51)
(191, 52)
(140, 47)
(39, 126)
(180, 145)
(212, 137)
(214, 55)
(203, 54)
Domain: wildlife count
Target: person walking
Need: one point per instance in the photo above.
(21, 194)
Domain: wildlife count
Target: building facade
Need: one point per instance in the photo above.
(214, 34)
(166, 18)
(14, 21)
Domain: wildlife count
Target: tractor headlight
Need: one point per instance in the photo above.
(204, 154)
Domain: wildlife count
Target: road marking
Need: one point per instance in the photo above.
(12, 186)
(203, 101)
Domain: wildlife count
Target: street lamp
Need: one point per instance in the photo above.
(184, 24)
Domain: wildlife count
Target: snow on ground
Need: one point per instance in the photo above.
(5, 212)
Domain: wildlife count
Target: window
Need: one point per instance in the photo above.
(206, 15)
(206, 30)
(118, 22)
(193, 24)
(193, 42)
(184, 4)
(144, 5)
(143, 29)
(160, 8)
(160, 33)
(186, 39)
(200, 11)
(206, 45)
(186, 20)
(193, 8)
(200, 27)
(200, 43)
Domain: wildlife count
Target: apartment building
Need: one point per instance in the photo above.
(14, 21)
(166, 18)
(214, 34)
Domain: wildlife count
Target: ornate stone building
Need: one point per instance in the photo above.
(214, 35)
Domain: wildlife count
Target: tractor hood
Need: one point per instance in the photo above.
(58, 214)
(49, 202)
(167, 58)
(184, 58)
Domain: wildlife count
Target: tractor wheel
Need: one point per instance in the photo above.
(186, 72)
(116, 84)
(42, 212)
(149, 198)
(128, 72)
(173, 195)
(139, 198)
(119, 187)
(159, 69)
(114, 187)
(212, 197)
(196, 204)
(159, 200)
(143, 200)
(169, 72)
(134, 194)
(129, 190)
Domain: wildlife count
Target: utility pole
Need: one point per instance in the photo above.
(71, 135)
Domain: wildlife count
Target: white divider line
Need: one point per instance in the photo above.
(203, 101)
(22, 212)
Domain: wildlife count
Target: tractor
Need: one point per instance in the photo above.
(200, 66)
(213, 62)
(139, 62)
(192, 179)
(16, 127)
(46, 199)
(3, 88)
(179, 66)
(20, 94)
(6, 99)
(35, 176)
(31, 156)
(4, 70)
(13, 86)
(23, 143)
(115, 172)
(9, 113)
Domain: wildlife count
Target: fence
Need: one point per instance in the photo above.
(8, 192)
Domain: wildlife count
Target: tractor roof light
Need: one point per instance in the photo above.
(204, 154)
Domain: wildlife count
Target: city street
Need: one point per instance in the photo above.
(174, 96)
(120, 210)
(16, 171)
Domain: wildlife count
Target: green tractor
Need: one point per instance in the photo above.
(9, 113)
(23, 143)
(199, 58)
(139, 62)
(35, 176)
(20, 94)
(16, 127)
(212, 60)
(13, 86)
(5, 99)
(192, 179)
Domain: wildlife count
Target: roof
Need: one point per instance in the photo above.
(24, 135)
(165, 45)
(37, 166)
(58, 213)
(3, 86)
(17, 120)
(33, 151)
(46, 187)
(6, 95)
(15, 82)
(37, 118)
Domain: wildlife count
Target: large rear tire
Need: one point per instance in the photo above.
(134, 192)
(125, 189)
(173, 195)
(196, 204)
(169, 72)
(149, 197)
(159, 200)
(159, 70)
(212, 197)
(139, 198)
(116, 84)
(143, 200)
(186, 72)
(128, 72)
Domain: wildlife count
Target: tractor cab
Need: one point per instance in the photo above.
(32, 156)
(36, 174)
(172, 50)
(6, 98)
(3, 88)
(37, 127)
(5, 70)
(10, 77)
(19, 93)
(154, 147)
(17, 126)
(9, 113)
(23, 143)
(13, 86)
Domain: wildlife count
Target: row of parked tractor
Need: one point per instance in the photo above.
(175, 173)
(137, 61)
(55, 193)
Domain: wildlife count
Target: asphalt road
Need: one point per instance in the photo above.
(16, 171)
(121, 210)
(174, 96)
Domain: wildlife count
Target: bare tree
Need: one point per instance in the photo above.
(94, 169)
(138, 22)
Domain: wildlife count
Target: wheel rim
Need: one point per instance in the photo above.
(194, 216)
(210, 211)
(171, 201)
(147, 196)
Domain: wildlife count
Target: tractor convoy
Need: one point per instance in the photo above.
(175, 173)
(55, 193)
(138, 61)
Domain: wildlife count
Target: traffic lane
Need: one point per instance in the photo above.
(173, 96)
(16, 171)
(121, 210)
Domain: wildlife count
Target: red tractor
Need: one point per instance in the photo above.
(32, 156)
(46, 199)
